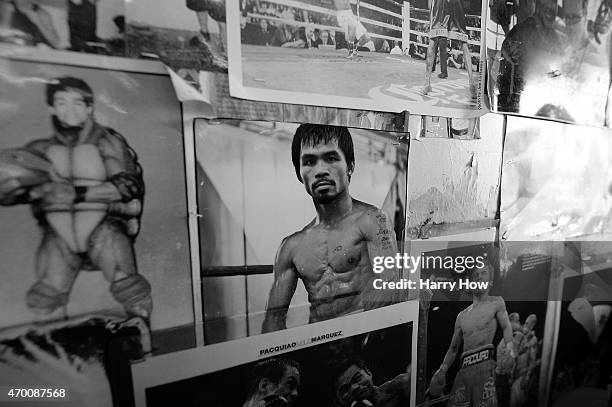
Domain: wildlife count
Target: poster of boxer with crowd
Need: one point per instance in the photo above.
(551, 59)
(480, 343)
(359, 55)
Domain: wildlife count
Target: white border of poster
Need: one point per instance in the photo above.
(421, 107)
(194, 362)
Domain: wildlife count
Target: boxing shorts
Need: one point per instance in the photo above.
(439, 18)
(474, 384)
(215, 8)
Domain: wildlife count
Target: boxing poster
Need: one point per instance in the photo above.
(480, 330)
(453, 185)
(582, 352)
(189, 37)
(358, 55)
(356, 360)
(268, 194)
(550, 59)
(555, 182)
(88, 159)
(85, 26)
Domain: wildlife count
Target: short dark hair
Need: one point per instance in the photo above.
(66, 83)
(272, 369)
(313, 134)
(343, 367)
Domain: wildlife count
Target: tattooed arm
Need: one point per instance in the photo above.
(381, 241)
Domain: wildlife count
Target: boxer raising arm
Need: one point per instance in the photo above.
(475, 327)
(332, 254)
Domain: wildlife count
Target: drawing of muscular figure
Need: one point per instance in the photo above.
(475, 326)
(331, 255)
(86, 191)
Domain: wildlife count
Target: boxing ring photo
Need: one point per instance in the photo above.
(359, 54)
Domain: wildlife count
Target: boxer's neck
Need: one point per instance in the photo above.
(335, 209)
(480, 298)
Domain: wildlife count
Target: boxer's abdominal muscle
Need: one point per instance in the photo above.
(478, 325)
(334, 265)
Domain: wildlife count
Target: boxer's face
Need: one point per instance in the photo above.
(287, 387)
(484, 275)
(355, 384)
(324, 171)
(70, 108)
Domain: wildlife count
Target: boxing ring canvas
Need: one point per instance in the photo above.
(245, 181)
(142, 111)
(218, 375)
(292, 72)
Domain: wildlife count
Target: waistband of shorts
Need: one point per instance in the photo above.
(478, 355)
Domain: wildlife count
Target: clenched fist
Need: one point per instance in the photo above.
(438, 383)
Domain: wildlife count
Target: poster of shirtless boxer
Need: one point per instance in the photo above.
(482, 343)
(89, 26)
(366, 54)
(356, 360)
(87, 161)
(555, 182)
(292, 217)
(551, 59)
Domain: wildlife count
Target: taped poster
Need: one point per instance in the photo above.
(357, 55)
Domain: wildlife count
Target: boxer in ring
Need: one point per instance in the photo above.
(475, 326)
(354, 387)
(87, 203)
(274, 383)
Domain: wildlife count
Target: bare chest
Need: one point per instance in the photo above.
(82, 162)
(479, 321)
(330, 250)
